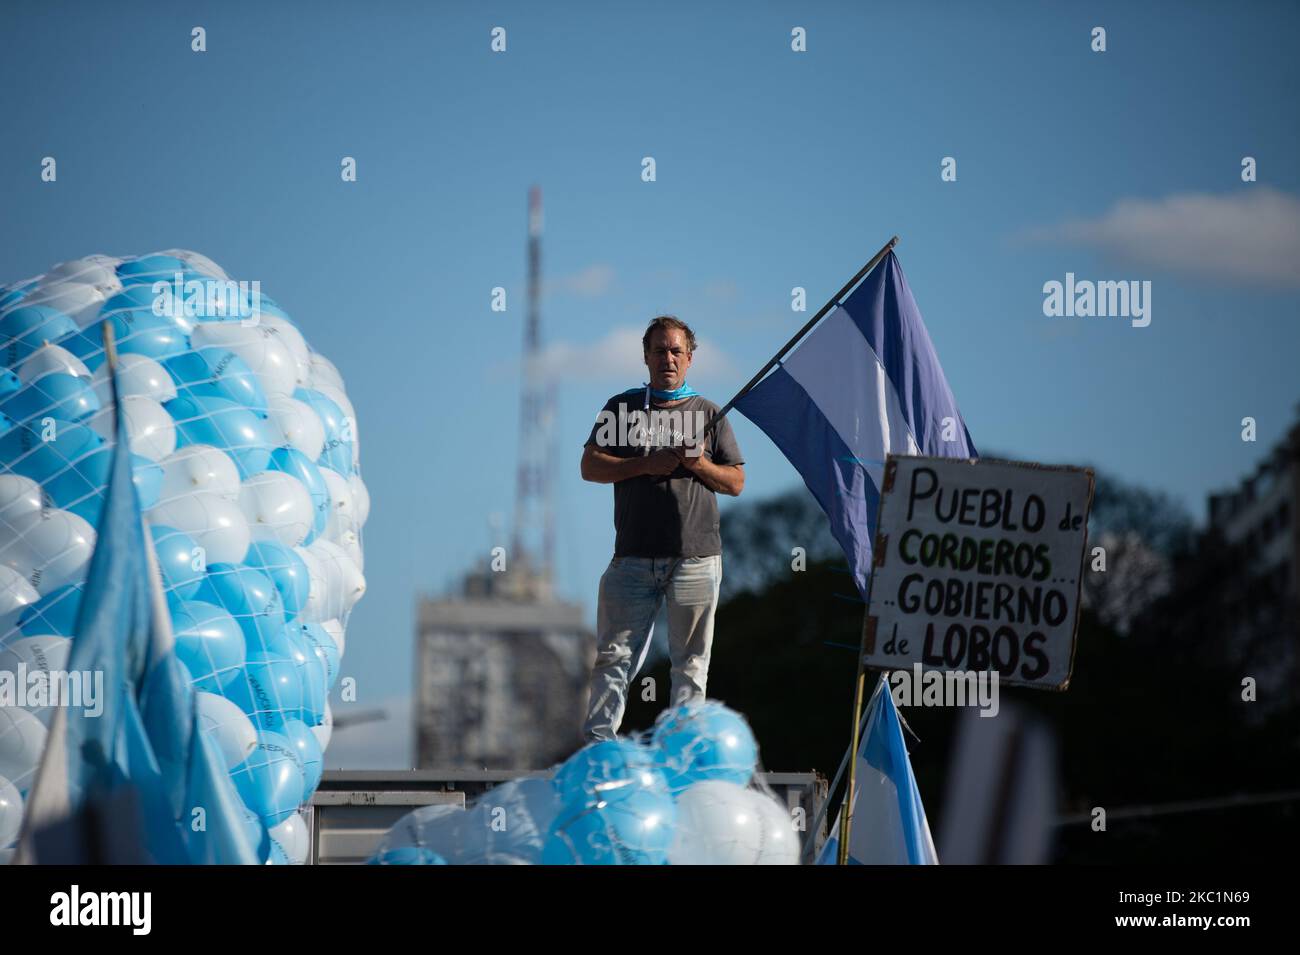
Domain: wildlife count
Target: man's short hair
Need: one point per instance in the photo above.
(666, 322)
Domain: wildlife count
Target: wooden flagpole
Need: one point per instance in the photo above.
(847, 812)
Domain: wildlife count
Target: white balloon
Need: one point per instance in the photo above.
(19, 495)
(292, 838)
(198, 262)
(51, 359)
(717, 824)
(315, 606)
(360, 499)
(335, 630)
(277, 502)
(233, 731)
(342, 512)
(780, 839)
(11, 812)
(323, 372)
(77, 300)
(22, 738)
(260, 347)
(16, 592)
(216, 524)
(50, 548)
(39, 654)
(297, 345)
(137, 376)
(344, 583)
(340, 397)
(326, 728)
(350, 541)
(199, 468)
(99, 271)
(150, 430)
(298, 423)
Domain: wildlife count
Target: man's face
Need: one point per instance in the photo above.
(668, 358)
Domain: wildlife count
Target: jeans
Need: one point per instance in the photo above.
(631, 591)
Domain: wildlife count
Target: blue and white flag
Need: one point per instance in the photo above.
(888, 825)
(865, 383)
(146, 734)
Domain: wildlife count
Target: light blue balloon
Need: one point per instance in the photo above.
(250, 597)
(82, 485)
(270, 781)
(268, 690)
(66, 466)
(147, 476)
(54, 613)
(285, 568)
(237, 430)
(55, 395)
(217, 373)
(27, 328)
(325, 650)
(209, 642)
(213, 302)
(605, 770)
(136, 331)
(9, 382)
(130, 299)
(10, 296)
(634, 830)
(258, 837)
(312, 676)
(705, 741)
(150, 268)
(337, 454)
(528, 808)
(304, 741)
(407, 855)
(81, 488)
(175, 550)
(292, 461)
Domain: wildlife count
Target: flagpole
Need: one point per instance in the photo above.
(875, 260)
(846, 814)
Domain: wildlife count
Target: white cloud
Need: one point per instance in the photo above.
(721, 290)
(618, 357)
(1252, 235)
(615, 356)
(591, 282)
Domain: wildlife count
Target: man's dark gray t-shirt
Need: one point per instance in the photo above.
(674, 515)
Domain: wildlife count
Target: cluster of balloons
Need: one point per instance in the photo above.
(246, 462)
(683, 794)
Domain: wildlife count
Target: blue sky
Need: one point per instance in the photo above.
(775, 169)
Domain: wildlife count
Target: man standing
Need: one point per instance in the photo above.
(648, 443)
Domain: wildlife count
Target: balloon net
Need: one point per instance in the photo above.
(686, 792)
(245, 458)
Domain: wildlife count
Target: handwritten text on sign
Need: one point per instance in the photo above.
(978, 567)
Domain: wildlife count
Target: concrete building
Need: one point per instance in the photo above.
(1262, 516)
(502, 674)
